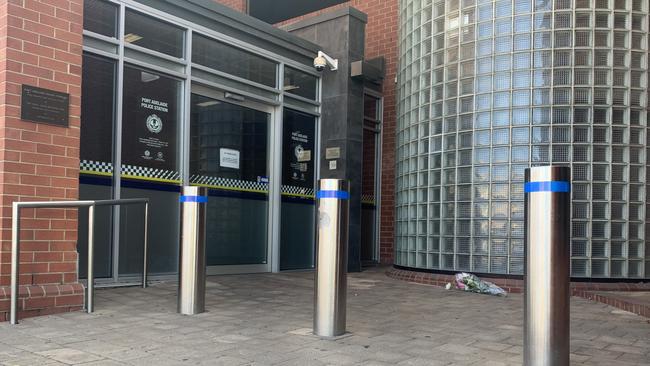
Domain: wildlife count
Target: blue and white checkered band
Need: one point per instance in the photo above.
(95, 167)
(229, 184)
(297, 191)
(139, 172)
(368, 199)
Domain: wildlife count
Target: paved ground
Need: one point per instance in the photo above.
(637, 302)
(266, 320)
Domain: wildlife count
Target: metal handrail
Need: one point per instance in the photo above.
(15, 241)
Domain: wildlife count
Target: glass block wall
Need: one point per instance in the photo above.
(490, 87)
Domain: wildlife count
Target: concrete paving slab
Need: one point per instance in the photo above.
(266, 319)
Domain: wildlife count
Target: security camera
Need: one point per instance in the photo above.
(323, 60)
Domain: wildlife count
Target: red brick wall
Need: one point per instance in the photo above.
(240, 5)
(381, 40)
(40, 45)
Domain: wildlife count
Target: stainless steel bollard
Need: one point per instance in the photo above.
(547, 293)
(191, 282)
(330, 293)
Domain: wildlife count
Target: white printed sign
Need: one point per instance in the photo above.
(229, 158)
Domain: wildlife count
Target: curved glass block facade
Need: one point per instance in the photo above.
(490, 87)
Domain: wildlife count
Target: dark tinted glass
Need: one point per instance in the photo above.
(279, 10)
(153, 34)
(100, 17)
(231, 60)
(97, 107)
(299, 83)
(217, 125)
(229, 154)
(150, 125)
(297, 209)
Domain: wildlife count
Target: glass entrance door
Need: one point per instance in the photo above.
(229, 154)
(371, 170)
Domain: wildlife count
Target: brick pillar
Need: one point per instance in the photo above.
(381, 40)
(40, 45)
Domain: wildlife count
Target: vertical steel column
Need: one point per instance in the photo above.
(90, 301)
(15, 260)
(330, 295)
(547, 293)
(145, 249)
(191, 282)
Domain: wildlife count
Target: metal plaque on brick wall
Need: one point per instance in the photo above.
(45, 106)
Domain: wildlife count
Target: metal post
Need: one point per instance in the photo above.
(15, 260)
(332, 258)
(146, 244)
(90, 307)
(547, 292)
(15, 242)
(191, 284)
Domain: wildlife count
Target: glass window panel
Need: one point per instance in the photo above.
(485, 30)
(501, 100)
(484, 65)
(484, 47)
(563, 39)
(520, 135)
(485, 12)
(520, 154)
(543, 20)
(521, 61)
(522, 6)
(500, 155)
(503, 8)
(542, 40)
(500, 136)
(582, 38)
(152, 146)
(97, 114)
(156, 35)
(601, 39)
(582, 57)
(620, 39)
(562, 20)
(521, 42)
(231, 60)
(562, 58)
(620, 20)
(100, 17)
(503, 44)
(521, 79)
(602, 20)
(522, 24)
(502, 81)
(583, 20)
(300, 83)
(521, 98)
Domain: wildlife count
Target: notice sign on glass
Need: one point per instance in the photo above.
(299, 131)
(44, 106)
(150, 120)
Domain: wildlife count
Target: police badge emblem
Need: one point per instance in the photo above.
(154, 123)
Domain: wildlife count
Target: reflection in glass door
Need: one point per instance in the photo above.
(229, 155)
(370, 178)
(96, 165)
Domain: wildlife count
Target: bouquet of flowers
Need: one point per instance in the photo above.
(471, 283)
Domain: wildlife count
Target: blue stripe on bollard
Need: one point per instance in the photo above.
(342, 195)
(197, 199)
(550, 186)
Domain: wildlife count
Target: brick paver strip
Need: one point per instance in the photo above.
(264, 320)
